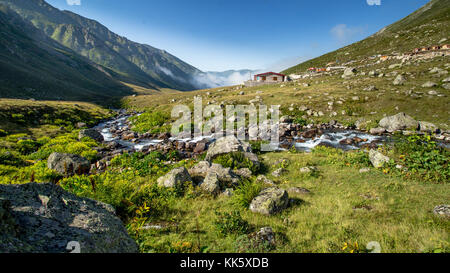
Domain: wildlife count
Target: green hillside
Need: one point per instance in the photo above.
(425, 27)
(134, 63)
(34, 66)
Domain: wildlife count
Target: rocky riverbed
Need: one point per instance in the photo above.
(119, 136)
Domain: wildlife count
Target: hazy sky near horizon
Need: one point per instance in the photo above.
(218, 35)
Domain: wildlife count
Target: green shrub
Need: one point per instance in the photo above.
(14, 138)
(359, 158)
(245, 193)
(343, 158)
(5, 173)
(251, 244)
(27, 146)
(10, 158)
(3, 133)
(296, 115)
(151, 164)
(19, 118)
(66, 144)
(256, 145)
(352, 109)
(37, 172)
(423, 157)
(151, 121)
(300, 121)
(231, 223)
(236, 160)
(126, 192)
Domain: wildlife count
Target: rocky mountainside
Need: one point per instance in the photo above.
(426, 27)
(35, 66)
(134, 63)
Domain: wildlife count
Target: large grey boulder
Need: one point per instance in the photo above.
(68, 164)
(175, 178)
(225, 175)
(270, 201)
(91, 133)
(378, 159)
(349, 72)
(43, 218)
(211, 184)
(200, 170)
(401, 121)
(225, 145)
(231, 144)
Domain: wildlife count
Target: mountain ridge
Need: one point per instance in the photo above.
(415, 30)
(134, 63)
(35, 66)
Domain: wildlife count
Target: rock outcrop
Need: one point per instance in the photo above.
(175, 178)
(230, 144)
(226, 176)
(68, 164)
(270, 201)
(211, 183)
(225, 145)
(43, 218)
(401, 121)
(91, 133)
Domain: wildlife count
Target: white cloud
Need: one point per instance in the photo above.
(169, 73)
(73, 2)
(343, 34)
(217, 79)
(374, 2)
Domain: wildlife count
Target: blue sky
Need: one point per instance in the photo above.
(217, 35)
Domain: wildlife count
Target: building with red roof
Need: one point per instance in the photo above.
(270, 77)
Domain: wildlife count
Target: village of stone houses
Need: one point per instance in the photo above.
(361, 164)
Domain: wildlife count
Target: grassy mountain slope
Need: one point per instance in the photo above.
(134, 63)
(34, 66)
(362, 99)
(425, 27)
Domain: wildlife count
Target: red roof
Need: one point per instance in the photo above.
(270, 73)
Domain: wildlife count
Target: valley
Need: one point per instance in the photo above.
(363, 156)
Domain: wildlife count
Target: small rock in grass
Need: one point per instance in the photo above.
(299, 190)
(442, 210)
(279, 172)
(378, 159)
(364, 170)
